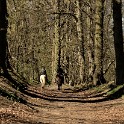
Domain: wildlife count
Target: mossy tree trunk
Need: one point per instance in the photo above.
(80, 40)
(56, 42)
(90, 44)
(118, 41)
(98, 77)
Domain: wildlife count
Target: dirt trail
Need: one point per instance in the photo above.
(40, 111)
(79, 113)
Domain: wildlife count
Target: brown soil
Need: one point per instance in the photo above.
(62, 107)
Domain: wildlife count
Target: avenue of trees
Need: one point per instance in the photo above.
(83, 37)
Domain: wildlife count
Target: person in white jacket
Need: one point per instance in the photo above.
(43, 78)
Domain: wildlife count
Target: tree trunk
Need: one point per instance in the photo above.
(81, 41)
(89, 46)
(66, 57)
(118, 41)
(57, 42)
(98, 77)
(4, 63)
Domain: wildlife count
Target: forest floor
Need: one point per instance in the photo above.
(61, 107)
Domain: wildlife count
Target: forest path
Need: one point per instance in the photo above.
(41, 111)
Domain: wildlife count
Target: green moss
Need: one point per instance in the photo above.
(116, 90)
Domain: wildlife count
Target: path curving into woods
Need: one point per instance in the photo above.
(62, 107)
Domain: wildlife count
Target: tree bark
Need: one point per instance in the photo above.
(98, 77)
(57, 42)
(89, 45)
(81, 41)
(4, 63)
(118, 41)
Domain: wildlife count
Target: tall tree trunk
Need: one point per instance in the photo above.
(80, 40)
(89, 45)
(4, 64)
(66, 57)
(57, 42)
(98, 77)
(118, 41)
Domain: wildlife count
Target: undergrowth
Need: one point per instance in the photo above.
(11, 96)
